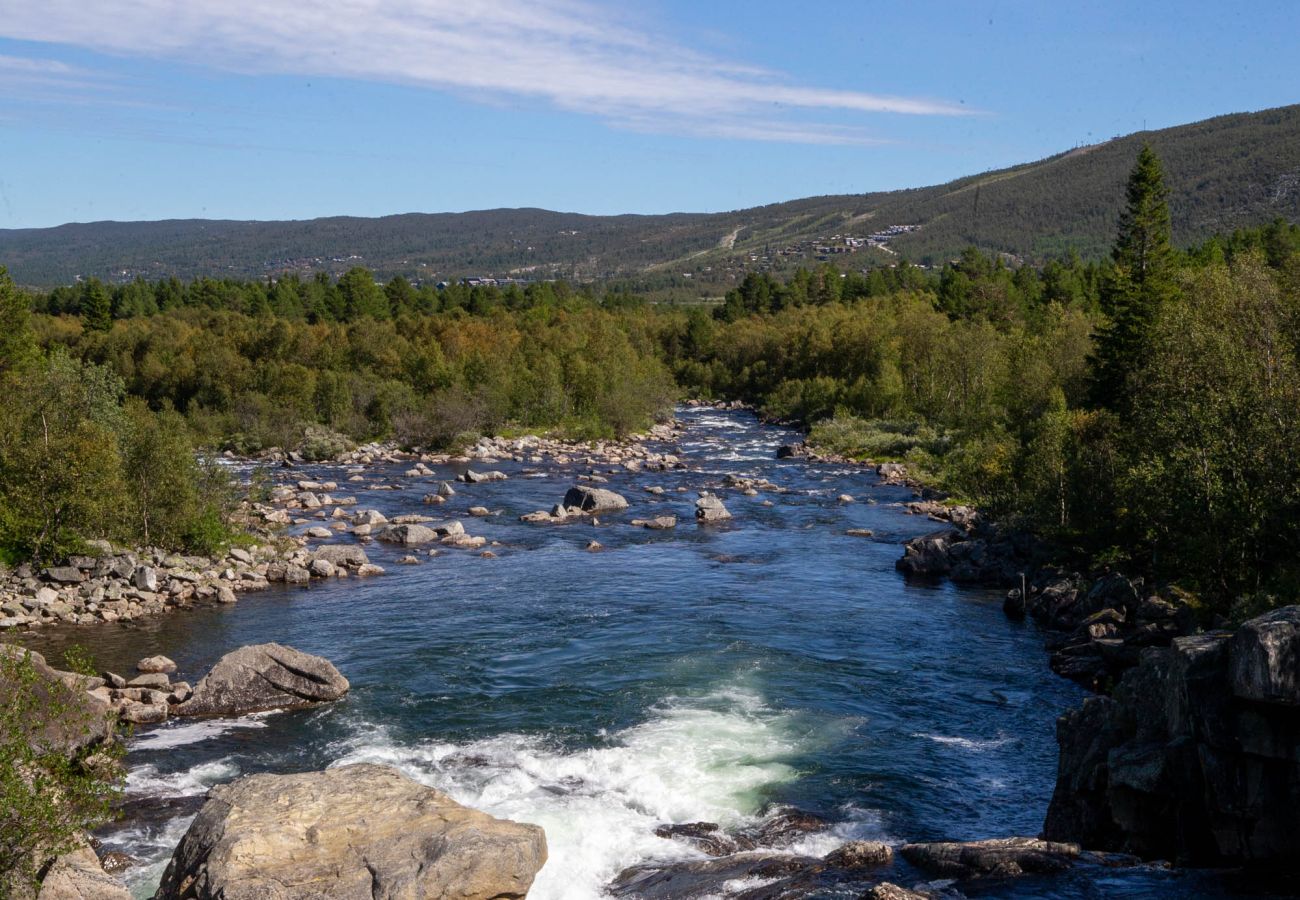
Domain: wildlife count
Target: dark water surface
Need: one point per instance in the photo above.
(695, 674)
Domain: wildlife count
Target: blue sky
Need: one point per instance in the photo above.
(261, 109)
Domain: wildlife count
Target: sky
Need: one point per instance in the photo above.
(283, 109)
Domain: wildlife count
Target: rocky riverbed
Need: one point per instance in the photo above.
(747, 705)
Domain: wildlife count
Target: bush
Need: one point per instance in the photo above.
(877, 439)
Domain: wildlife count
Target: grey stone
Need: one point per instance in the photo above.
(336, 835)
(262, 677)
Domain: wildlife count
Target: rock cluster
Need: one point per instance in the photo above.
(250, 679)
(1102, 623)
(122, 585)
(356, 831)
(1193, 758)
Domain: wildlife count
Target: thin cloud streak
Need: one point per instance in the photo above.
(567, 53)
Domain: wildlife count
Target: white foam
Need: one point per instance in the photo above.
(706, 760)
(178, 734)
(146, 781)
(973, 744)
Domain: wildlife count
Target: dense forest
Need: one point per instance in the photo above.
(1224, 173)
(1139, 410)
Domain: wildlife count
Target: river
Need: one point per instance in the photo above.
(704, 673)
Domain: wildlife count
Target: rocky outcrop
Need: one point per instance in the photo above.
(358, 831)
(929, 555)
(997, 857)
(585, 499)
(1194, 757)
(261, 677)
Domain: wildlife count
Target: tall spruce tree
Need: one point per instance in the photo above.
(1140, 281)
(96, 306)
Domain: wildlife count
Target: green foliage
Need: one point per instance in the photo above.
(60, 474)
(17, 350)
(54, 782)
(1139, 283)
(77, 658)
(877, 440)
(75, 463)
(96, 306)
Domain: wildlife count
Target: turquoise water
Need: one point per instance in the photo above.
(698, 674)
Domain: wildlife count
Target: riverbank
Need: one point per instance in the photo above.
(285, 520)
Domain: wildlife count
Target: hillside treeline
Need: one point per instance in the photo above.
(1142, 418)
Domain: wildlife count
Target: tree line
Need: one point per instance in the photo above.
(1135, 409)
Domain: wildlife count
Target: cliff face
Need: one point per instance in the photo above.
(1196, 755)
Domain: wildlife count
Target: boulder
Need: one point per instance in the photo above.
(348, 556)
(1000, 857)
(65, 574)
(930, 554)
(709, 508)
(408, 534)
(593, 499)
(262, 677)
(706, 837)
(1264, 658)
(860, 855)
(358, 831)
(472, 477)
(151, 664)
(887, 890)
(78, 875)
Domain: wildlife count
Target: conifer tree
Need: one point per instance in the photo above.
(96, 306)
(1140, 281)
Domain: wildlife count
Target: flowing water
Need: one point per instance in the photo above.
(701, 674)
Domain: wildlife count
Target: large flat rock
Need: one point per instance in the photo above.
(352, 833)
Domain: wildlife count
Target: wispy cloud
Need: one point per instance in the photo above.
(572, 54)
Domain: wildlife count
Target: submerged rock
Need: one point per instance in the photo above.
(262, 677)
(997, 856)
(357, 831)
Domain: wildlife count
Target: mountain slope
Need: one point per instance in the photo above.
(1227, 172)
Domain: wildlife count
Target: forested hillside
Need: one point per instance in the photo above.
(1224, 173)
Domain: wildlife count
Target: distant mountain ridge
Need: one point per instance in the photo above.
(1227, 172)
